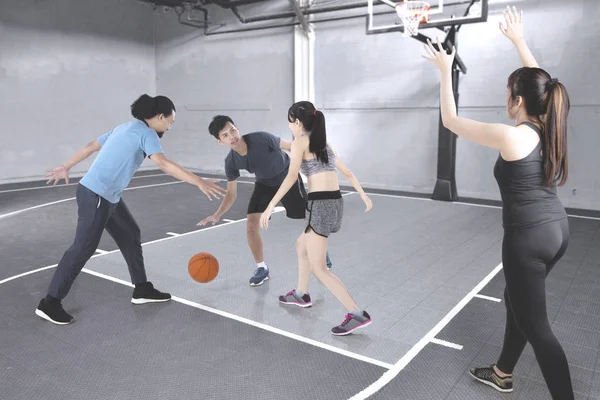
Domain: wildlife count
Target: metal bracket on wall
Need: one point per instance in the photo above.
(300, 15)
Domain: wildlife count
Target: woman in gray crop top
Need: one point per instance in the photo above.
(312, 156)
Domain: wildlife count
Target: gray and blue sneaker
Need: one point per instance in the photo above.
(295, 299)
(260, 276)
(352, 323)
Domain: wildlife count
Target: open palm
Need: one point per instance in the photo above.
(441, 59)
(514, 24)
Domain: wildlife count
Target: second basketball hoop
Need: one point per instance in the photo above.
(412, 13)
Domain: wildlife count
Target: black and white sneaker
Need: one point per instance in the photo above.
(488, 376)
(145, 293)
(53, 312)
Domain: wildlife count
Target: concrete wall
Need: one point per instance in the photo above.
(248, 76)
(69, 70)
(382, 98)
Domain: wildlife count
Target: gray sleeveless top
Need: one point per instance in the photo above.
(314, 166)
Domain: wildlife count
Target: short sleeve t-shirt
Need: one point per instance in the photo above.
(123, 151)
(264, 159)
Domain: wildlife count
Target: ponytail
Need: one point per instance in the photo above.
(146, 107)
(313, 121)
(546, 101)
(318, 138)
(555, 144)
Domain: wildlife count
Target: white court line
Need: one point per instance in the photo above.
(412, 353)
(12, 278)
(219, 312)
(69, 184)
(33, 208)
(481, 296)
(73, 198)
(173, 234)
(256, 324)
(447, 344)
(462, 203)
(228, 220)
(101, 251)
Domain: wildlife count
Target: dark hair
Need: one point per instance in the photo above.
(547, 102)
(146, 107)
(218, 122)
(313, 121)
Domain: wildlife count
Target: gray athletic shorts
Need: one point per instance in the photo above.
(324, 212)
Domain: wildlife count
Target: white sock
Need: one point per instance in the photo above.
(262, 264)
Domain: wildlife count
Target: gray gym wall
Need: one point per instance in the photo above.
(382, 98)
(376, 90)
(69, 69)
(248, 76)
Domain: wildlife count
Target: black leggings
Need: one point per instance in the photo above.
(528, 256)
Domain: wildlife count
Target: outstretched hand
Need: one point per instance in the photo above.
(514, 24)
(210, 188)
(213, 218)
(56, 174)
(441, 59)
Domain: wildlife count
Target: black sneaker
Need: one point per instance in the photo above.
(145, 293)
(489, 377)
(53, 312)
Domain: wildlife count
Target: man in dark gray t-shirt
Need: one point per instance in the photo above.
(264, 158)
(262, 154)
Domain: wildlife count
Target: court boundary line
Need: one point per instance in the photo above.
(425, 340)
(221, 313)
(70, 184)
(463, 203)
(211, 176)
(482, 296)
(446, 343)
(73, 198)
(252, 183)
(255, 324)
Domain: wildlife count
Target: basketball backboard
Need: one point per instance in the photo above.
(382, 17)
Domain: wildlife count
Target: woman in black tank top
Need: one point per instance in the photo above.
(536, 229)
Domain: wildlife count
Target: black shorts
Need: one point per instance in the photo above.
(294, 200)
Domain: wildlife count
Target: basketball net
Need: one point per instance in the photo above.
(412, 13)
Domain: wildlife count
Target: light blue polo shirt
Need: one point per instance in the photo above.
(121, 155)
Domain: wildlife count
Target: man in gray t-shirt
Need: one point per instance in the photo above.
(262, 154)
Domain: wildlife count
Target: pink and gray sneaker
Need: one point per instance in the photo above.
(295, 299)
(352, 323)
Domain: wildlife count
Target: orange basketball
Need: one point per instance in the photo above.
(203, 267)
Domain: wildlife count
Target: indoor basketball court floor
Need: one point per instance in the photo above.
(428, 272)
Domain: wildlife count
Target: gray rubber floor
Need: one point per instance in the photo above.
(408, 262)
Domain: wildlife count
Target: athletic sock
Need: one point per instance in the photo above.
(263, 265)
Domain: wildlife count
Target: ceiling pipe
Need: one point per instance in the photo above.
(231, 3)
(291, 14)
(289, 24)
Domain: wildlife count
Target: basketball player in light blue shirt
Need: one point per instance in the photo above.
(100, 206)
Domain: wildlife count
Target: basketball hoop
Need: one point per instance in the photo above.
(412, 13)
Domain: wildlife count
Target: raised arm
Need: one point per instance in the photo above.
(496, 136)
(62, 172)
(514, 32)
